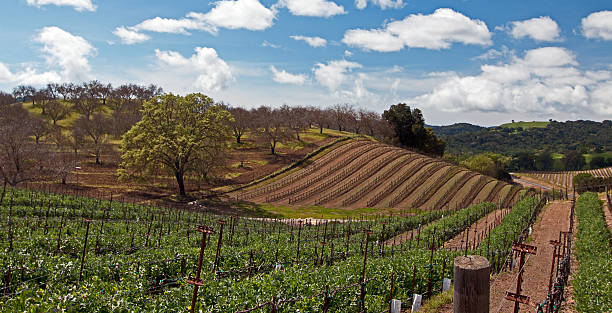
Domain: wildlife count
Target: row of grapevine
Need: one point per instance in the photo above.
(290, 189)
(564, 179)
(334, 154)
(410, 186)
(139, 258)
(495, 191)
(413, 168)
(474, 190)
(362, 176)
(453, 189)
(367, 174)
(379, 177)
(438, 183)
(593, 280)
(324, 183)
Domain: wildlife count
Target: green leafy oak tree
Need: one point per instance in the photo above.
(176, 133)
(410, 130)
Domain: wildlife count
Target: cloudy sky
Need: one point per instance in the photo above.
(484, 62)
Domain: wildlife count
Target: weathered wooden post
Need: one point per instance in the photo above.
(197, 282)
(471, 291)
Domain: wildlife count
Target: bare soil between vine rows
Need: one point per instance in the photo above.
(553, 219)
(481, 228)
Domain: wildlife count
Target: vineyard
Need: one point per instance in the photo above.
(361, 173)
(91, 255)
(562, 180)
(593, 281)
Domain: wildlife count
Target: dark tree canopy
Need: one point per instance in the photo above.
(524, 161)
(544, 161)
(410, 131)
(598, 162)
(590, 136)
(573, 160)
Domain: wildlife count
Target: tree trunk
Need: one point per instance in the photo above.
(321, 129)
(273, 147)
(180, 182)
(3, 192)
(238, 139)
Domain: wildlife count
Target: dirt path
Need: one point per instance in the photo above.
(481, 227)
(552, 220)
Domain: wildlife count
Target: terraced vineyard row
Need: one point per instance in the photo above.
(564, 179)
(362, 173)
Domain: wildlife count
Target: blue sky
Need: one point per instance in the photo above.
(484, 62)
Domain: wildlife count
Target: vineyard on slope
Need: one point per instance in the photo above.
(362, 173)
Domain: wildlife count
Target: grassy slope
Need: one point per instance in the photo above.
(588, 157)
(525, 125)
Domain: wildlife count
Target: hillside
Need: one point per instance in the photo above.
(556, 137)
(525, 125)
(455, 129)
(558, 180)
(361, 173)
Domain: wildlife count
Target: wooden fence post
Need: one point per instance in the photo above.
(471, 292)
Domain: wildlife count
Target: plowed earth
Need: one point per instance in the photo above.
(369, 174)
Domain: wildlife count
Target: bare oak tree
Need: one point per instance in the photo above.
(19, 157)
(95, 130)
(271, 126)
(242, 122)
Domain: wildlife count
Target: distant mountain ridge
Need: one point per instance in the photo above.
(556, 137)
(454, 129)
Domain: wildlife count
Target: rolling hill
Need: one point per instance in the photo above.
(360, 173)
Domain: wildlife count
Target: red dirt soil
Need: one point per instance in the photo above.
(481, 227)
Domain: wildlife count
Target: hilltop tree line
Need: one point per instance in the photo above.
(40, 146)
(42, 131)
(534, 149)
(498, 165)
(583, 136)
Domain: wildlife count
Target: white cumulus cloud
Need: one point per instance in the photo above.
(315, 8)
(333, 74)
(541, 28)
(312, 41)
(383, 4)
(79, 5)
(230, 14)
(207, 71)
(284, 77)
(545, 80)
(130, 37)
(67, 51)
(173, 26)
(434, 31)
(27, 76)
(598, 25)
(247, 14)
